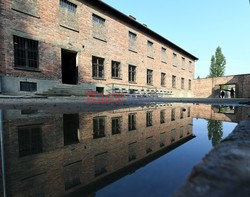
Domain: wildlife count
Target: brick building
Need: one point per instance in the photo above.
(86, 44)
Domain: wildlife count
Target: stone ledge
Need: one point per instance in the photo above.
(225, 171)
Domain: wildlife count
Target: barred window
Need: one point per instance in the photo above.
(149, 77)
(173, 81)
(99, 20)
(163, 79)
(98, 127)
(25, 53)
(28, 86)
(131, 73)
(68, 5)
(149, 119)
(115, 69)
(97, 67)
(30, 140)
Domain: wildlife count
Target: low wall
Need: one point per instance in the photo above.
(209, 87)
(225, 171)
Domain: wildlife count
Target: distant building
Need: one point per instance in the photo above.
(86, 44)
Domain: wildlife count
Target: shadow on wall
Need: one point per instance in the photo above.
(235, 86)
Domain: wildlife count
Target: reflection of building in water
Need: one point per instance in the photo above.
(55, 155)
(222, 113)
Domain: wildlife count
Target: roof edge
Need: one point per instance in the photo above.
(105, 7)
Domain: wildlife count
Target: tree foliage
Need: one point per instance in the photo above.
(218, 63)
(215, 131)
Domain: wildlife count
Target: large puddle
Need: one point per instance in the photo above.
(139, 151)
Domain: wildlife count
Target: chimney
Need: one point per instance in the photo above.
(144, 25)
(130, 16)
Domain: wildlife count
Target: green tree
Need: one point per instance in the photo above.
(215, 131)
(218, 63)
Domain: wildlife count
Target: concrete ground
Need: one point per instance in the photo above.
(80, 103)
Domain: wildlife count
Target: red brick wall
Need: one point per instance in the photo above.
(204, 88)
(52, 37)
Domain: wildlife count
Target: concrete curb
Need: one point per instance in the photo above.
(225, 171)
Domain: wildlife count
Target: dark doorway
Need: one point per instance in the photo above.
(70, 128)
(69, 69)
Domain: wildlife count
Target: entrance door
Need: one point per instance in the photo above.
(69, 69)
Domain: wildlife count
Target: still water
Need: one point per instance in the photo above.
(139, 151)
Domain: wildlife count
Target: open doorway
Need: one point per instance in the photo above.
(228, 91)
(69, 68)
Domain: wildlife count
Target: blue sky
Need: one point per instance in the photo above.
(198, 27)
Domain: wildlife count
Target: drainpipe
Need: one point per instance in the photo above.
(2, 153)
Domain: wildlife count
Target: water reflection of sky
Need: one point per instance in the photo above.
(165, 175)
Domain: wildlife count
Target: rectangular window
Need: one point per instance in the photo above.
(183, 62)
(132, 41)
(181, 133)
(190, 66)
(149, 77)
(72, 175)
(149, 144)
(70, 129)
(173, 135)
(173, 115)
(99, 20)
(189, 84)
(30, 140)
(182, 113)
(189, 112)
(132, 36)
(98, 67)
(25, 53)
(175, 59)
(150, 49)
(149, 119)
(182, 83)
(131, 73)
(98, 127)
(28, 86)
(162, 116)
(132, 151)
(116, 126)
(163, 79)
(101, 163)
(131, 122)
(163, 55)
(173, 81)
(68, 5)
(163, 139)
(115, 69)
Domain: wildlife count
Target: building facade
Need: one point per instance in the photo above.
(88, 44)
